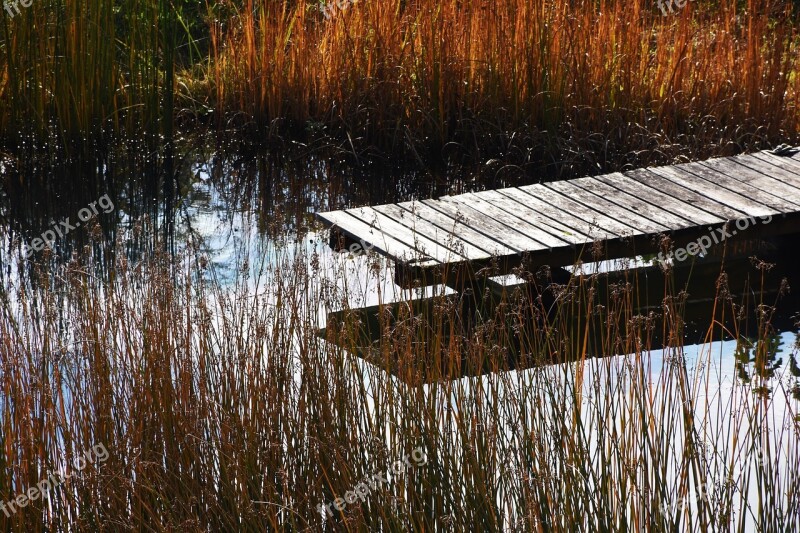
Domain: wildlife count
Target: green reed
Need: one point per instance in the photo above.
(80, 71)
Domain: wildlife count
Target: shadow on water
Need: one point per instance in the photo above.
(741, 292)
(152, 194)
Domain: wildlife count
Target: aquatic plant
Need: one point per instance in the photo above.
(574, 85)
(222, 408)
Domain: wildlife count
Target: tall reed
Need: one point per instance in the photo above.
(72, 71)
(526, 81)
(223, 410)
(516, 78)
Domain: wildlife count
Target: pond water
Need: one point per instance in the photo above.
(232, 206)
(248, 212)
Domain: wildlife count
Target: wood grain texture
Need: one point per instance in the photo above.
(551, 223)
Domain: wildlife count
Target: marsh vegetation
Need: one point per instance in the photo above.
(185, 330)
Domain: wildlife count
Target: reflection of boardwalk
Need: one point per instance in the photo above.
(557, 223)
(645, 305)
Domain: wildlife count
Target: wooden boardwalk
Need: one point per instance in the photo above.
(557, 223)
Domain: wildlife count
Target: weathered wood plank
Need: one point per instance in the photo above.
(687, 195)
(488, 226)
(787, 164)
(463, 226)
(712, 192)
(665, 219)
(374, 235)
(514, 223)
(403, 233)
(745, 183)
(521, 205)
(428, 235)
(594, 203)
(572, 225)
(660, 198)
(453, 234)
(784, 183)
(556, 222)
(587, 222)
(764, 176)
(776, 169)
(794, 156)
(790, 159)
(468, 224)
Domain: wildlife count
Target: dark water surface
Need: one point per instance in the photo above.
(278, 191)
(230, 204)
(226, 198)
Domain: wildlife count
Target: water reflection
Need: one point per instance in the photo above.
(205, 186)
(235, 208)
(226, 202)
